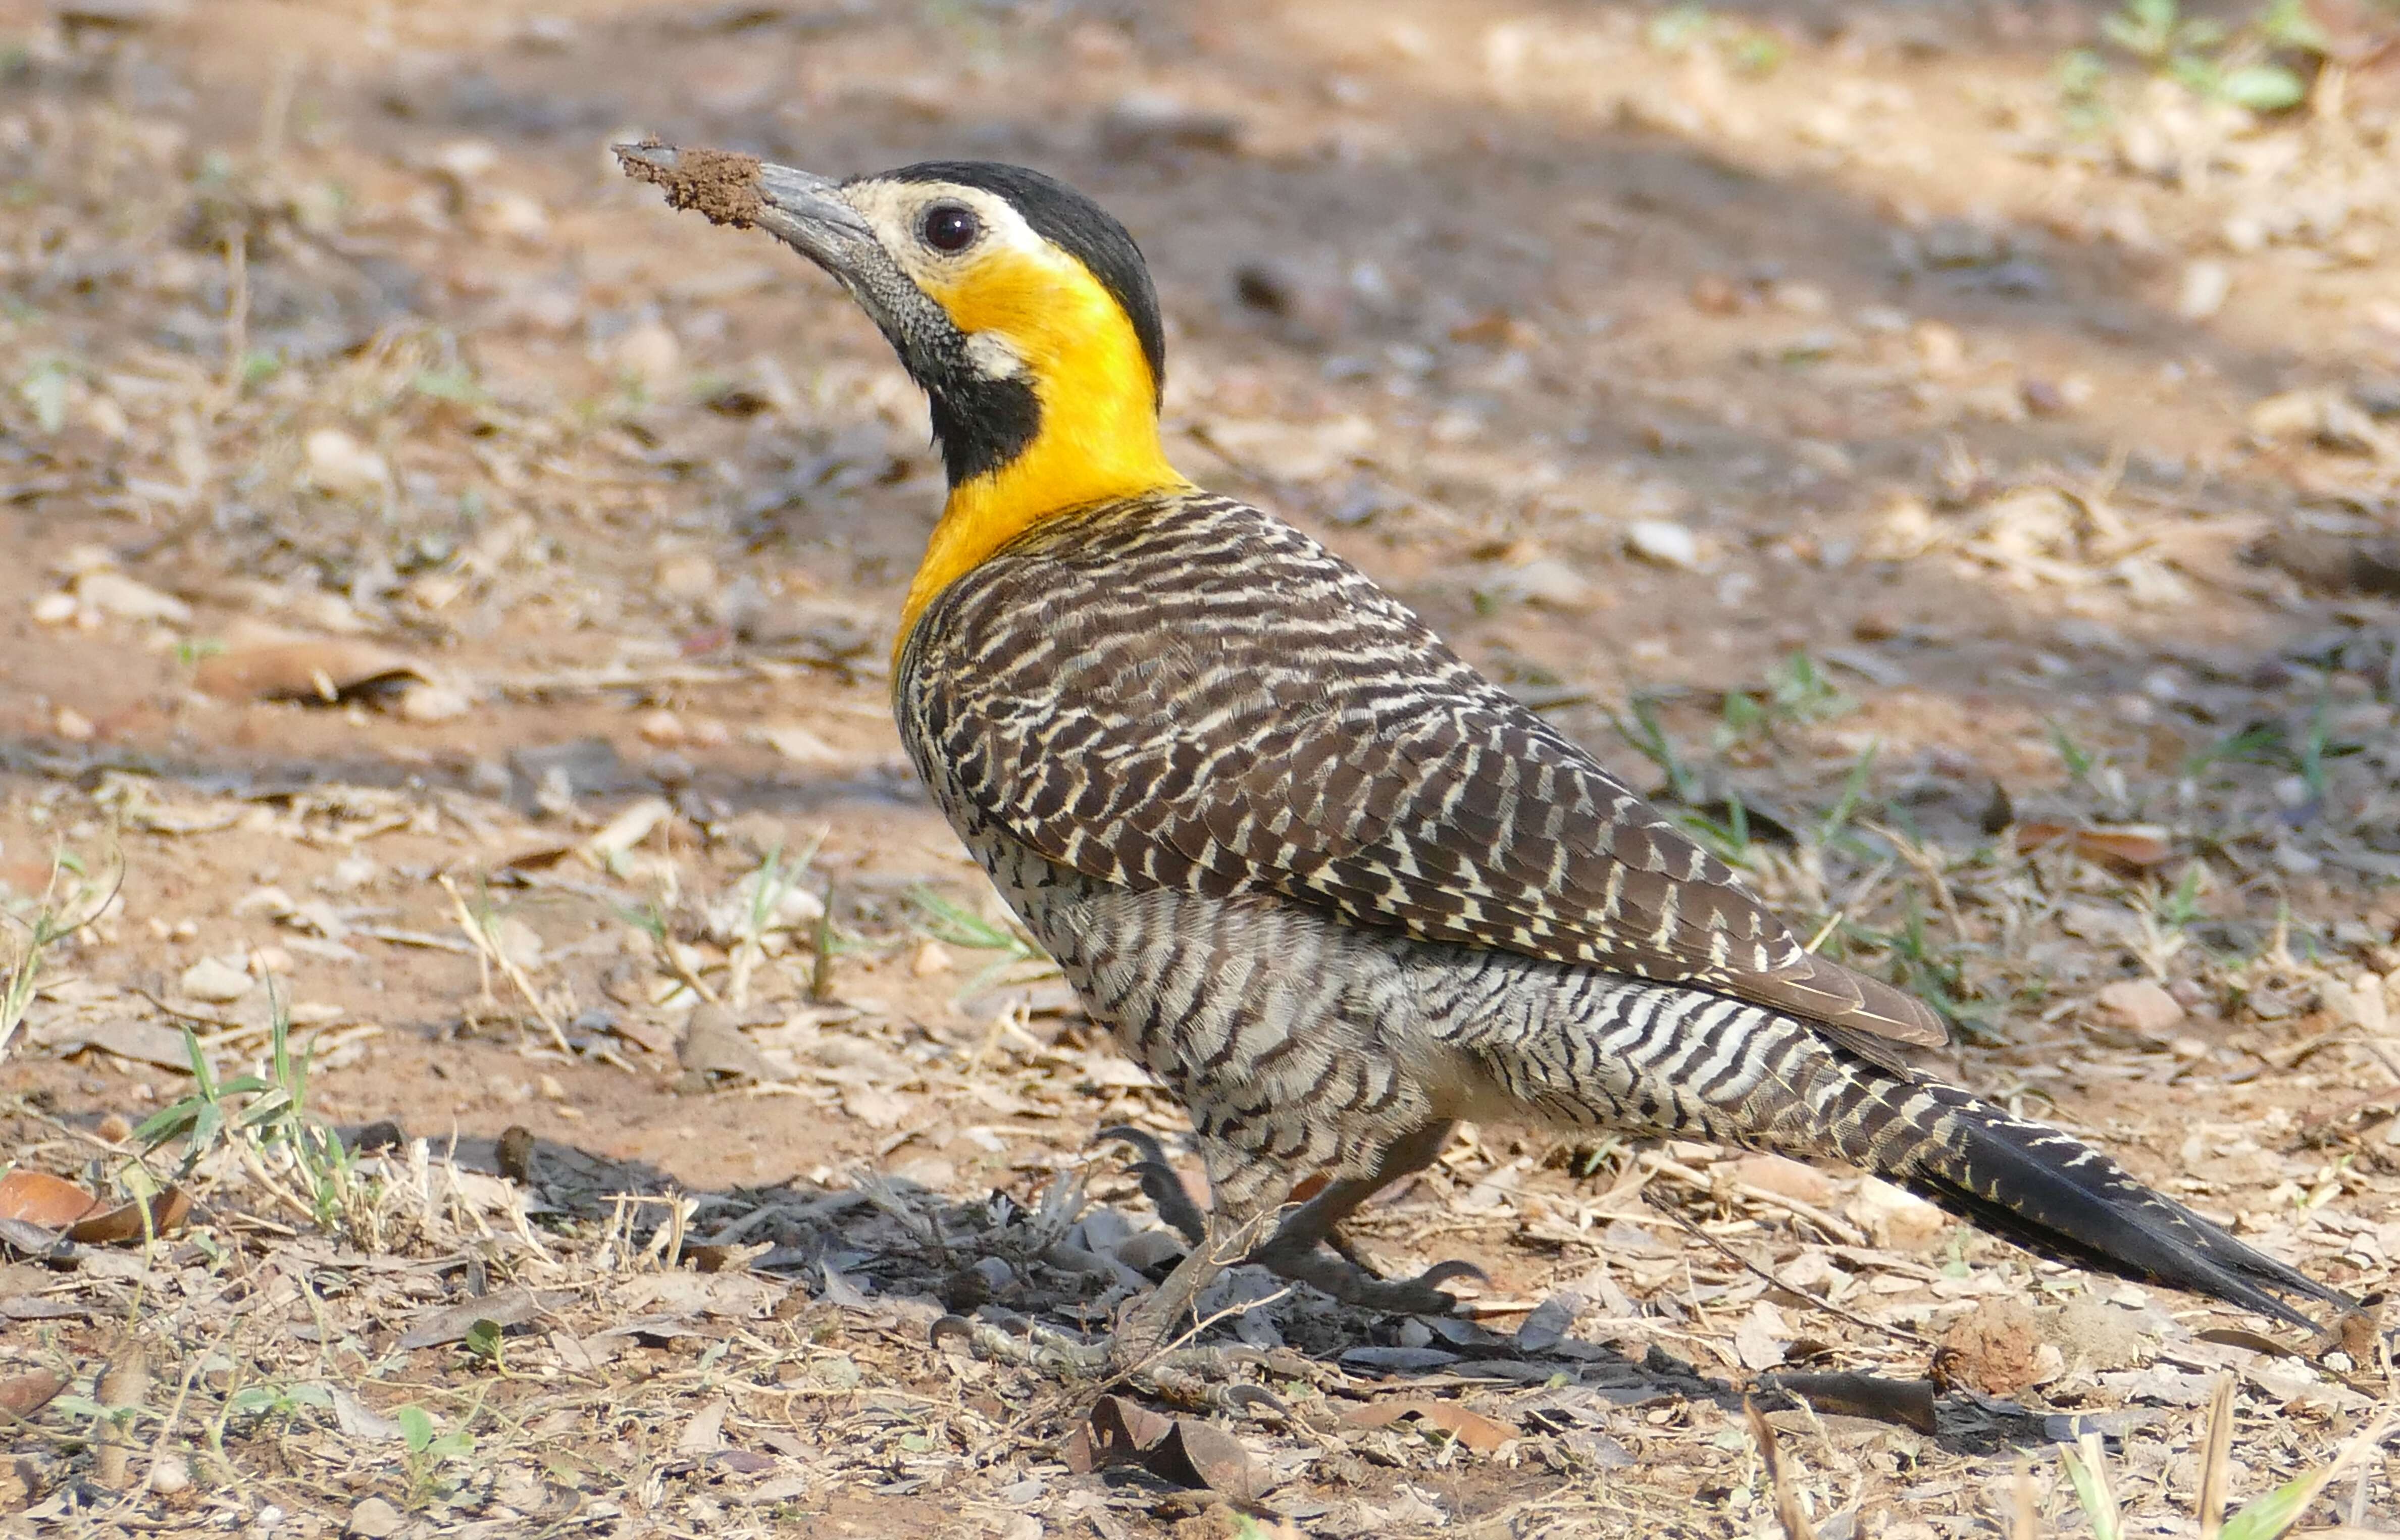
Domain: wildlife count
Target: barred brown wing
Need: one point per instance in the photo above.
(1190, 694)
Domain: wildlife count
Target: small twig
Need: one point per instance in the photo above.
(1922, 861)
(1013, 1020)
(1902, 1333)
(2213, 1459)
(218, 1027)
(1788, 1510)
(489, 947)
(237, 332)
(1845, 1235)
(2025, 1507)
(122, 1388)
(821, 964)
(193, 1364)
(275, 111)
(683, 971)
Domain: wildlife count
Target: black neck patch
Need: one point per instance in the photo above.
(1075, 224)
(981, 423)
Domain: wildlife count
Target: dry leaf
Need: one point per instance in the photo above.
(1189, 1453)
(1762, 1340)
(713, 1045)
(452, 1322)
(143, 1041)
(330, 670)
(1201, 1454)
(2134, 845)
(126, 1383)
(1907, 1402)
(1478, 1432)
(705, 1433)
(23, 1395)
(1117, 1432)
(2249, 1341)
(168, 1210)
(38, 1198)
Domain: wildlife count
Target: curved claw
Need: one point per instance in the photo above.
(958, 1326)
(1442, 1272)
(1250, 1399)
(1159, 1182)
(1144, 1142)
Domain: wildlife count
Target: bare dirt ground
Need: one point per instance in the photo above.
(447, 614)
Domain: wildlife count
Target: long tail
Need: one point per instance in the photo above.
(2052, 1193)
(1630, 1053)
(1605, 1051)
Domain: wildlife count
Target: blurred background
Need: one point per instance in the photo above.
(1948, 450)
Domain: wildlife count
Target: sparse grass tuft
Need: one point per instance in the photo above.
(262, 1123)
(56, 917)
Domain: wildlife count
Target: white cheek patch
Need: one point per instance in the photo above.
(993, 356)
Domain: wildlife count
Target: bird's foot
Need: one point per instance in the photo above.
(1026, 1345)
(1194, 1378)
(1352, 1284)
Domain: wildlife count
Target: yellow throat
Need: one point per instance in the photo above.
(1097, 437)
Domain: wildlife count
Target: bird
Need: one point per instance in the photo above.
(1338, 890)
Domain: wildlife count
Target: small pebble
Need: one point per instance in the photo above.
(115, 594)
(1939, 348)
(650, 354)
(2144, 1006)
(2204, 288)
(434, 703)
(1665, 542)
(73, 725)
(116, 1129)
(214, 981)
(170, 1474)
(513, 1154)
(340, 465)
(662, 728)
(686, 577)
(1714, 294)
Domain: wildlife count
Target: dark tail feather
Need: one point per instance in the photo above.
(2055, 1195)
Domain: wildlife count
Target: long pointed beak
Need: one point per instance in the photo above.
(803, 207)
(804, 210)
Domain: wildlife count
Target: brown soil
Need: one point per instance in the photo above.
(718, 183)
(1643, 351)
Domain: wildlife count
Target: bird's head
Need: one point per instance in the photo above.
(1022, 309)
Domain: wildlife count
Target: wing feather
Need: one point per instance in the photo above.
(1301, 734)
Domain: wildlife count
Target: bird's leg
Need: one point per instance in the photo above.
(1297, 1250)
(1152, 1321)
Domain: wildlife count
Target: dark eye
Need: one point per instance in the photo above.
(951, 227)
